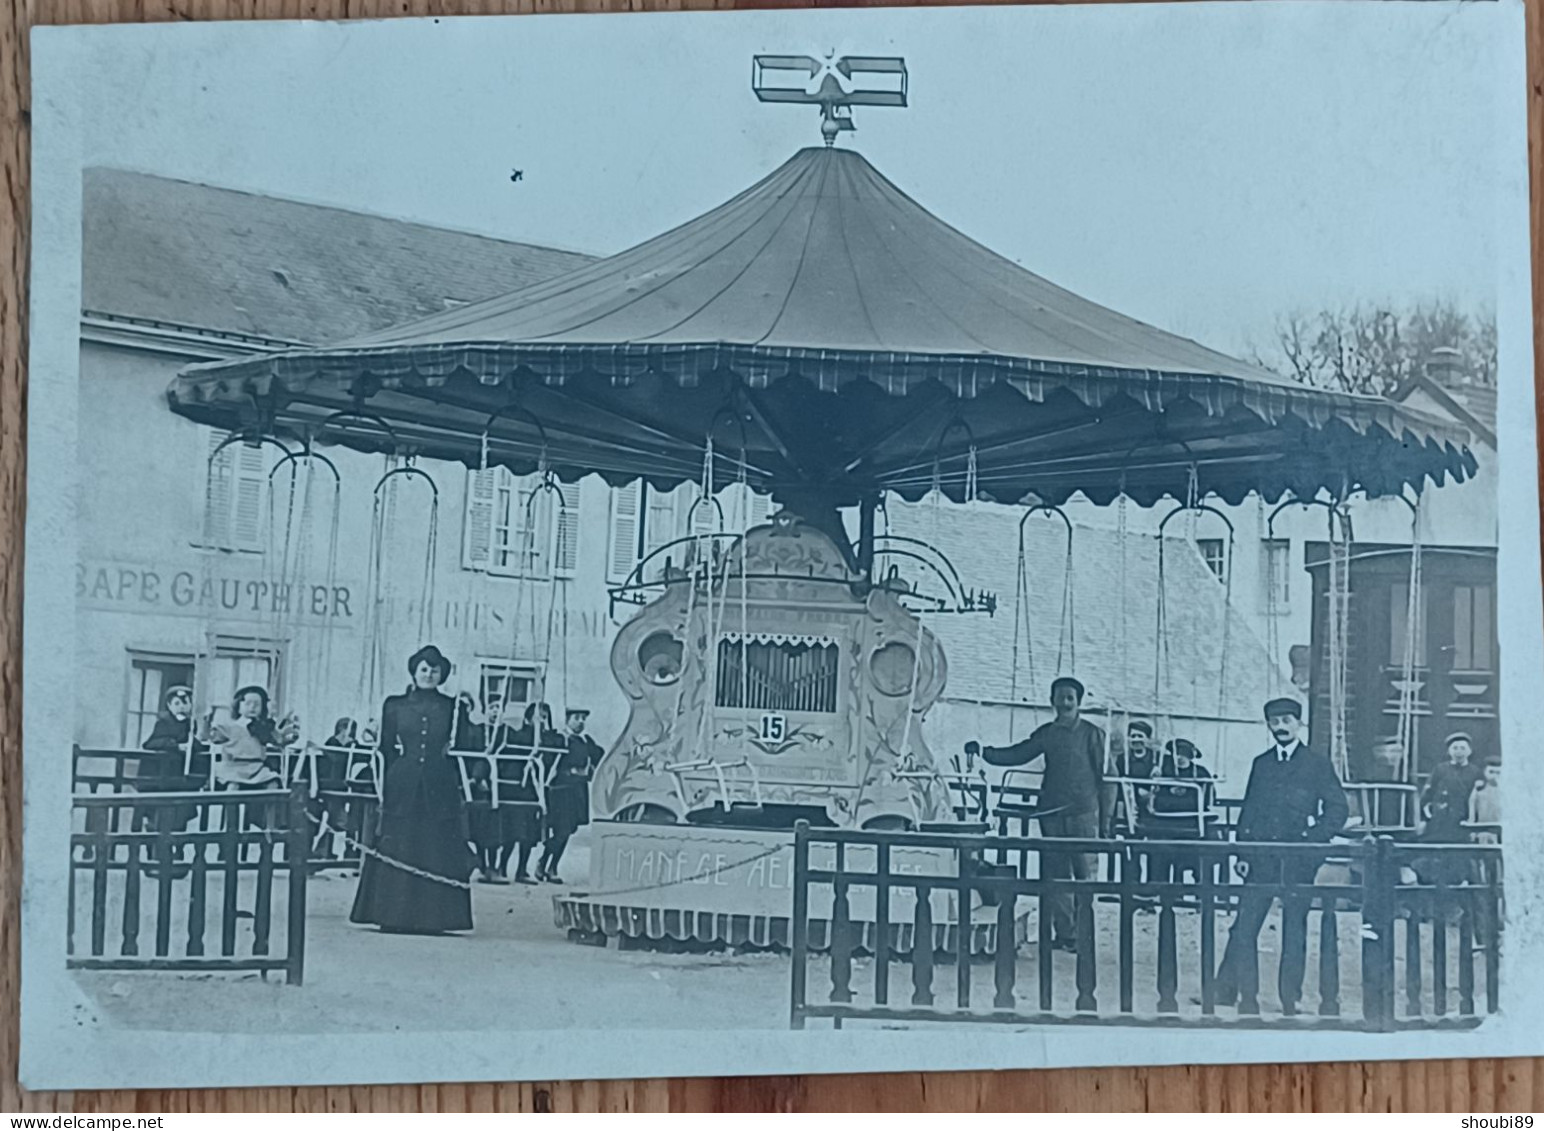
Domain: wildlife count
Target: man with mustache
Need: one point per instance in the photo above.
(1294, 797)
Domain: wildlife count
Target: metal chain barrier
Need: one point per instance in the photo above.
(323, 826)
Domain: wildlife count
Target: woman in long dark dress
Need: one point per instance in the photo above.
(423, 816)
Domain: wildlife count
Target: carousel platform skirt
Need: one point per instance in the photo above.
(734, 887)
(578, 913)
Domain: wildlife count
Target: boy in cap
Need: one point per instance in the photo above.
(1445, 808)
(1293, 797)
(1139, 759)
(568, 793)
(1445, 804)
(1073, 802)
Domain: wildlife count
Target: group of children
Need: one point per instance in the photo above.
(527, 783)
(1181, 799)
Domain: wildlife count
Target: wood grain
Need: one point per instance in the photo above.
(1454, 1085)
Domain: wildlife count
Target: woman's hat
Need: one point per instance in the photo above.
(431, 655)
(1183, 748)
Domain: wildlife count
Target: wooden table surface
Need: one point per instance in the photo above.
(1481, 1086)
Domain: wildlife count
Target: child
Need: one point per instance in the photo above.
(1177, 809)
(1485, 828)
(1485, 804)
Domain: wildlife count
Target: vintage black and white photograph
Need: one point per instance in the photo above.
(760, 542)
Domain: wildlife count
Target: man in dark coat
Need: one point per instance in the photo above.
(1294, 797)
(1073, 802)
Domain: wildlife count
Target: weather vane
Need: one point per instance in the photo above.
(834, 84)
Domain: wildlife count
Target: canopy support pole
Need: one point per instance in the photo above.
(867, 505)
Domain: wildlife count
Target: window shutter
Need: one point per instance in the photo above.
(477, 527)
(217, 498)
(251, 493)
(566, 554)
(665, 521)
(622, 554)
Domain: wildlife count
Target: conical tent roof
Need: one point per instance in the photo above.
(843, 337)
(824, 253)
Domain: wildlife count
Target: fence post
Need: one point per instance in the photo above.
(1378, 879)
(965, 855)
(1207, 895)
(799, 933)
(297, 855)
(1494, 922)
(882, 924)
(1329, 957)
(841, 931)
(1168, 957)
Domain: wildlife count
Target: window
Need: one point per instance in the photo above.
(1214, 552)
(501, 682)
(1399, 625)
(782, 675)
(1473, 628)
(150, 674)
(1276, 575)
(237, 495)
(240, 663)
(514, 529)
(645, 519)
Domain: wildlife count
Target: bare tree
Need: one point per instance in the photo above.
(1365, 349)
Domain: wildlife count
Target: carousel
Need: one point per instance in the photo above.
(823, 338)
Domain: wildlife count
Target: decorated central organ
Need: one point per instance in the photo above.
(768, 681)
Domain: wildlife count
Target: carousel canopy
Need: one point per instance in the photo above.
(845, 340)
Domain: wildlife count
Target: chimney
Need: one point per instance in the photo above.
(1446, 367)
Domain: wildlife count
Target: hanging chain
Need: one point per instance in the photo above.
(1338, 596)
(1067, 638)
(1408, 699)
(1122, 631)
(1020, 621)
